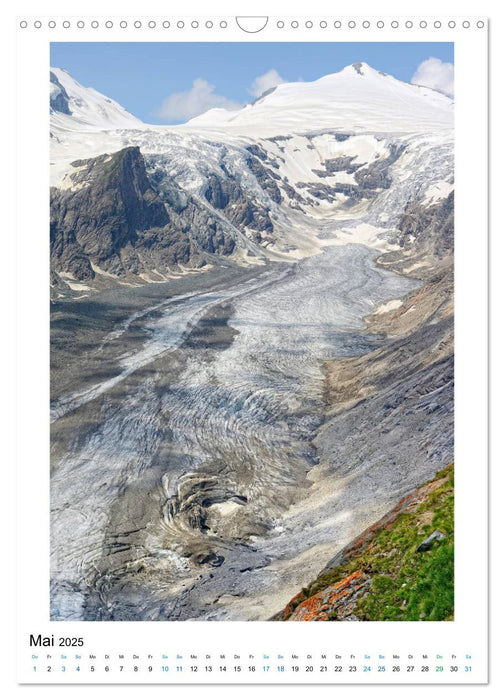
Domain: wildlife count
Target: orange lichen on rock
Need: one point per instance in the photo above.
(339, 599)
(291, 605)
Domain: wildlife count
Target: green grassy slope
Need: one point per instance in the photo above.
(404, 584)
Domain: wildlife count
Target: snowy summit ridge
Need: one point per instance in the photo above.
(357, 98)
(74, 106)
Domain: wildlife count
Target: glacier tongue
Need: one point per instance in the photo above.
(195, 415)
(231, 430)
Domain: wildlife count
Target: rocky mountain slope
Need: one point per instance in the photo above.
(400, 568)
(109, 218)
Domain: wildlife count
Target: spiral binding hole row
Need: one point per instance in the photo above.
(280, 24)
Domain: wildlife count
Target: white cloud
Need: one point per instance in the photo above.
(181, 106)
(435, 74)
(265, 82)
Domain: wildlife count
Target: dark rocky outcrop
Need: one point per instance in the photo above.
(226, 194)
(341, 137)
(59, 98)
(266, 178)
(292, 194)
(370, 179)
(112, 217)
(335, 165)
(429, 227)
(257, 151)
(376, 175)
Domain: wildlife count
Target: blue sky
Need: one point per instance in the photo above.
(156, 81)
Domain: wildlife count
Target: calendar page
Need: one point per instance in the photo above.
(251, 445)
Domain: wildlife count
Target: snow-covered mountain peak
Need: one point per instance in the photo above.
(357, 98)
(361, 68)
(76, 107)
(295, 124)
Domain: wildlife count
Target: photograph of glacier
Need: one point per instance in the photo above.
(251, 282)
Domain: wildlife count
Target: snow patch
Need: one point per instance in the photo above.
(224, 509)
(78, 287)
(389, 306)
(437, 191)
(365, 234)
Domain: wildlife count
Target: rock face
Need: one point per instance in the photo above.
(111, 217)
(429, 229)
(226, 194)
(264, 176)
(58, 97)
